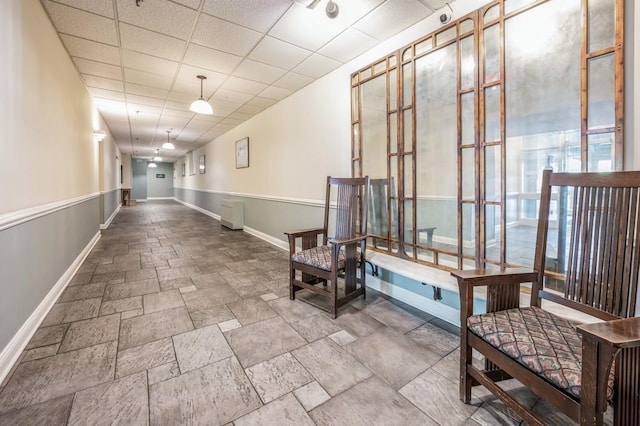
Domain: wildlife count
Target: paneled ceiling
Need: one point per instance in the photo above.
(139, 59)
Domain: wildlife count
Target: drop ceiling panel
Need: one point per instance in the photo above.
(275, 93)
(258, 71)
(293, 81)
(259, 15)
(392, 17)
(348, 45)
(106, 94)
(222, 35)
(86, 66)
(435, 4)
(199, 126)
(152, 92)
(159, 16)
(243, 85)
(178, 113)
(102, 83)
(187, 82)
(104, 8)
(151, 43)
(241, 116)
(93, 50)
(142, 111)
(261, 102)
(231, 96)
(148, 63)
(144, 100)
(278, 53)
(250, 109)
(193, 4)
(211, 59)
(181, 106)
(69, 20)
(316, 66)
(147, 78)
(222, 108)
(167, 121)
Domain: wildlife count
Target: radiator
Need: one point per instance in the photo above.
(232, 214)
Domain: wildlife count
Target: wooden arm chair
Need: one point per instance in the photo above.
(318, 267)
(572, 367)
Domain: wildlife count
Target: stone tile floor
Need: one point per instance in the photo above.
(173, 319)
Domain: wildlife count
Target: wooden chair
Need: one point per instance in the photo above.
(571, 367)
(343, 255)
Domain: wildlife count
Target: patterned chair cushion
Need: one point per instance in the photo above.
(544, 343)
(320, 257)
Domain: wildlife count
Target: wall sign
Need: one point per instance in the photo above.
(160, 175)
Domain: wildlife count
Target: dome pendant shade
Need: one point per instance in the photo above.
(167, 144)
(152, 165)
(200, 106)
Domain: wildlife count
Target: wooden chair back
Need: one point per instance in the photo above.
(351, 206)
(601, 214)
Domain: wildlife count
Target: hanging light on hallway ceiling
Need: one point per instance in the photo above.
(200, 106)
(152, 165)
(332, 9)
(167, 144)
(157, 157)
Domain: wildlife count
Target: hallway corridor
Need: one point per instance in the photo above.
(173, 320)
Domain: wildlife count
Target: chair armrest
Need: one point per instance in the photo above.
(345, 241)
(306, 232)
(485, 277)
(619, 334)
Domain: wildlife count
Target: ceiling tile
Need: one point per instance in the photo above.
(106, 94)
(211, 59)
(144, 100)
(435, 4)
(243, 116)
(153, 92)
(86, 66)
(82, 24)
(278, 53)
(147, 78)
(143, 112)
(231, 96)
(182, 106)
(250, 109)
(210, 135)
(151, 43)
(261, 102)
(199, 126)
(159, 16)
(316, 66)
(152, 64)
(193, 4)
(102, 83)
(243, 85)
(187, 81)
(110, 106)
(258, 71)
(182, 97)
(392, 17)
(179, 113)
(104, 8)
(293, 81)
(89, 49)
(222, 35)
(168, 121)
(259, 15)
(348, 45)
(277, 93)
(222, 108)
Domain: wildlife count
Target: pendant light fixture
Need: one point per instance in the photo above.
(167, 144)
(152, 165)
(200, 106)
(332, 9)
(157, 157)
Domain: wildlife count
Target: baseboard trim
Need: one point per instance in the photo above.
(425, 304)
(268, 238)
(200, 209)
(12, 351)
(113, 215)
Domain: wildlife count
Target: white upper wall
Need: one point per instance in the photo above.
(47, 152)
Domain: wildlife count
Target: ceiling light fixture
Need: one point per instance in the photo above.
(332, 9)
(200, 106)
(152, 165)
(157, 157)
(167, 144)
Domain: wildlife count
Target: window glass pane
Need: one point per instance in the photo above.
(392, 61)
(601, 92)
(446, 35)
(492, 232)
(393, 90)
(408, 131)
(423, 46)
(468, 229)
(354, 78)
(393, 132)
(466, 26)
(468, 173)
(380, 67)
(492, 114)
(511, 5)
(601, 152)
(374, 128)
(378, 221)
(425, 255)
(408, 176)
(354, 103)
(406, 75)
(408, 221)
(602, 24)
(468, 118)
(394, 219)
(356, 141)
(492, 173)
(492, 53)
(436, 143)
(467, 62)
(407, 54)
(492, 13)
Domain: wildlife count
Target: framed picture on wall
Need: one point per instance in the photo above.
(202, 165)
(242, 153)
(184, 169)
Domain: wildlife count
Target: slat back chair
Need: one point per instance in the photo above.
(318, 268)
(574, 363)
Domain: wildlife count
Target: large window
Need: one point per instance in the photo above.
(455, 129)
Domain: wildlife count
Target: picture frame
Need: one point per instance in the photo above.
(184, 169)
(242, 153)
(202, 166)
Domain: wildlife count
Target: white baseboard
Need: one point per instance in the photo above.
(268, 238)
(425, 304)
(113, 215)
(201, 210)
(12, 351)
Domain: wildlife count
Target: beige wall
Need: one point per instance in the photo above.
(110, 160)
(47, 150)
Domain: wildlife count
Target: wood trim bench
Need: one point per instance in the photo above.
(580, 370)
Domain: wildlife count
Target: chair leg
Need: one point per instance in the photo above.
(292, 287)
(465, 379)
